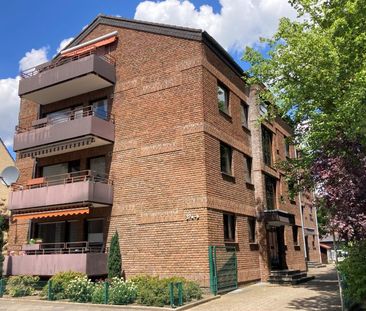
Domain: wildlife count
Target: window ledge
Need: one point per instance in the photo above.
(226, 116)
(228, 177)
(245, 128)
(297, 247)
(254, 246)
(249, 185)
(293, 202)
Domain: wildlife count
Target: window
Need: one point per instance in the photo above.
(223, 98)
(251, 229)
(100, 108)
(287, 148)
(226, 158)
(95, 230)
(61, 168)
(295, 235)
(244, 114)
(98, 166)
(229, 227)
(291, 190)
(270, 185)
(248, 169)
(263, 108)
(267, 146)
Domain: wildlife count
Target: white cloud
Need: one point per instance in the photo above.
(239, 22)
(9, 109)
(33, 58)
(63, 44)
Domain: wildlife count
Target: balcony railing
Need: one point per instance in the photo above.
(63, 179)
(84, 187)
(67, 77)
(67, 116)
(30, 72)
(81, 247)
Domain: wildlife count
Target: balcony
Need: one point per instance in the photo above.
(47, 259)
(67, 77)
(73, 131)
(85, 188)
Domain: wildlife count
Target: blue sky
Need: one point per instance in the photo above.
(32, 31)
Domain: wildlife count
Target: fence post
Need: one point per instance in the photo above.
(106, 292)
(1, 288)
(171, 295)
(49, 290)
(180, 294)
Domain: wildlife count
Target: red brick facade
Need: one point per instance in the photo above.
(169, 192)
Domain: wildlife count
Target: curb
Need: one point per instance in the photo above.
(119, 307)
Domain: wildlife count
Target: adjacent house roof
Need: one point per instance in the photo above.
(162, 29)
(2, 146)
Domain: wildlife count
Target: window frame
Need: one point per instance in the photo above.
(244, 112)
(295, 235)
(226, 92)
(252, 226)
(248, 169)
(273, 181)
(229, 222)
(267, 146)
(230, 155)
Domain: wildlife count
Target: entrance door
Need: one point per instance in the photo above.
(276, 246)
(307, 248)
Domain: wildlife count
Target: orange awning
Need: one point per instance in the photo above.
(90, 47)
(56, 213)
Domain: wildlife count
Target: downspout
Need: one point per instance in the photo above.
(302, 220)
(317, 229)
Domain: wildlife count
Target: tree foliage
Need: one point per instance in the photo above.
(114, 258)
(314, 70)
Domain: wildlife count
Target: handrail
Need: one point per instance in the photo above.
(68, 178)
(30, 72)
(75, 114)
(67, 248)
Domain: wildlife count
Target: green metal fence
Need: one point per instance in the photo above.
(223, 269)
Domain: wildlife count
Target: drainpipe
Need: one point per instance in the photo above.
(302, 221)
(317, 229)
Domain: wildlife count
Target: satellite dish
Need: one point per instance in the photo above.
(9, 175)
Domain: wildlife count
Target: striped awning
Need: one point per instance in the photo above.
(89, 47)
(52, 213)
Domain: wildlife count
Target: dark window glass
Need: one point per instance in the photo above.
(267, 146)
(223, 98)
(98, 166)
(244, 110)
(270, 184)
(248, 169)
(251, 229)
(291, 190)
(229, 227)
(295, 235)
(100, 108)
(287, 149)
(226, 158)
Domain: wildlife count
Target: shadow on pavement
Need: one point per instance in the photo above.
(327, 298)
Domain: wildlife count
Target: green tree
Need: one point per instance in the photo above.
(315, 70)
(114, 258)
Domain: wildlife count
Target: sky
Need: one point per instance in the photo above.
(34, 31)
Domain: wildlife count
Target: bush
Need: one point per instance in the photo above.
(121, 292)
(153, 291)
(353, 269)
(98, 293)
(60, 282)
(22, 285)
(80, 289)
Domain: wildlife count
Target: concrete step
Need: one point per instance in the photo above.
(289, 277)
(312, 264)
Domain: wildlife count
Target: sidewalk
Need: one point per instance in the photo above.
(319, 294)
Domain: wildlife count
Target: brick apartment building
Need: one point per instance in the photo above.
(150, 131)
